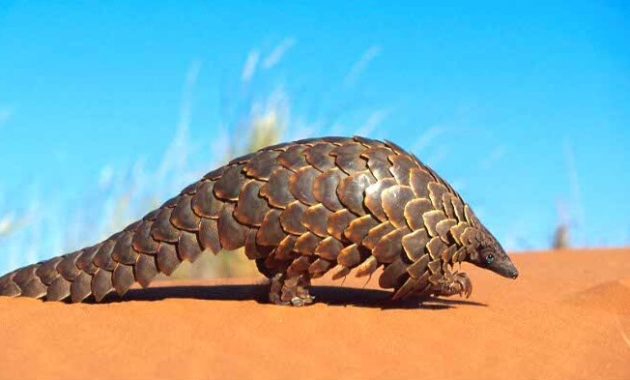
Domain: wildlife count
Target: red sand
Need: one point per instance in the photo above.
(566, 317)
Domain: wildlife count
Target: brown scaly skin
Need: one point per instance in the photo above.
(300, 209)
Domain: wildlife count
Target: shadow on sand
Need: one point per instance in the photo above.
(329, 295)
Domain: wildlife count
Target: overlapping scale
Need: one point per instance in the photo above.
(373, 197)
(394, 200)
(318, 156)
(325, 188)
(401, 166)
(293, 158)
(358, 228)
(270, 232)
(276, 190)
(262, 165)
(301, 185)
(183, 217)
(204, 203)
(351, 191)
(228, 186)
(338, 222)
(348, 157)
(231, 232)
(251, 208)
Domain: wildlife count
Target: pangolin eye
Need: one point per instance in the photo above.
(490, 259)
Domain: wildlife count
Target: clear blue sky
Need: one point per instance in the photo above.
(522, 107)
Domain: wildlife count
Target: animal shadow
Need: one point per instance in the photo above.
(329, 295)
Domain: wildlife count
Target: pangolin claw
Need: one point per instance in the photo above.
(458, 283)
(464, 284)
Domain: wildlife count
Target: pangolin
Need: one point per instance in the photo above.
(300, 210)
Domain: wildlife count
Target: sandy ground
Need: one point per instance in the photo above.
(566, 317)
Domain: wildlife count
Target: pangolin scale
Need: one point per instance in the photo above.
(300, 210)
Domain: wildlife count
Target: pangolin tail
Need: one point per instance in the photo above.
(130, 256)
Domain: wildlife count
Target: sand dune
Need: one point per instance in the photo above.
(613, 296)
(566, 317)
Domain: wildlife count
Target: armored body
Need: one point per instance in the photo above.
(300, 210)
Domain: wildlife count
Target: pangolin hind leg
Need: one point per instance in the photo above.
(290, 290)
(289, 280)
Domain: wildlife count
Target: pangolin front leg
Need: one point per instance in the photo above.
(300, 209)
(456, 283)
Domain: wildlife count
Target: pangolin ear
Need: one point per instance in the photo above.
(473, 254)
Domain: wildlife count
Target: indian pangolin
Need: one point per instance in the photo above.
(300, 209)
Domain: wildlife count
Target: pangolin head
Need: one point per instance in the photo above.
(485, 251)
